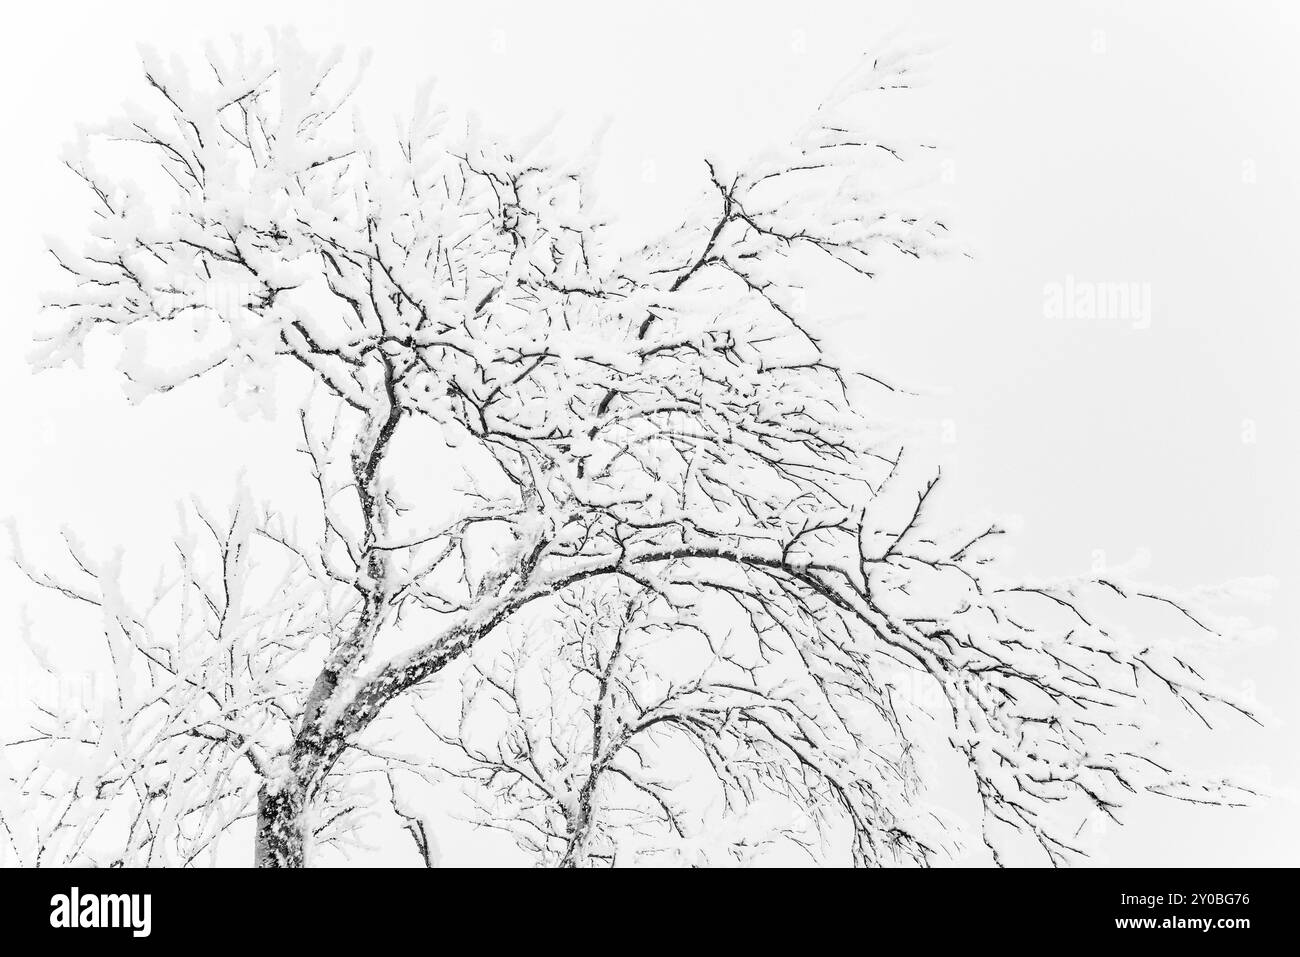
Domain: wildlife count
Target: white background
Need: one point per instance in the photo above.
(1154, 143)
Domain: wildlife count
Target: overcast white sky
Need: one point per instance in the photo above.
(1149, 143)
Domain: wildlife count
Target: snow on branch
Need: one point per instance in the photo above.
(656, 451)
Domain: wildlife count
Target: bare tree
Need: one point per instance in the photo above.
(656, 432)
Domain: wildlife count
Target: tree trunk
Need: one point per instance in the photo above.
(281, 834)
(575, 851)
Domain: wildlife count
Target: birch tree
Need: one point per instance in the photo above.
(659, 452)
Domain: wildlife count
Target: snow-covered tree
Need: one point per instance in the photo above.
(757, 632)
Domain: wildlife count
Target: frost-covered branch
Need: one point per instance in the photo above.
(653, 447)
